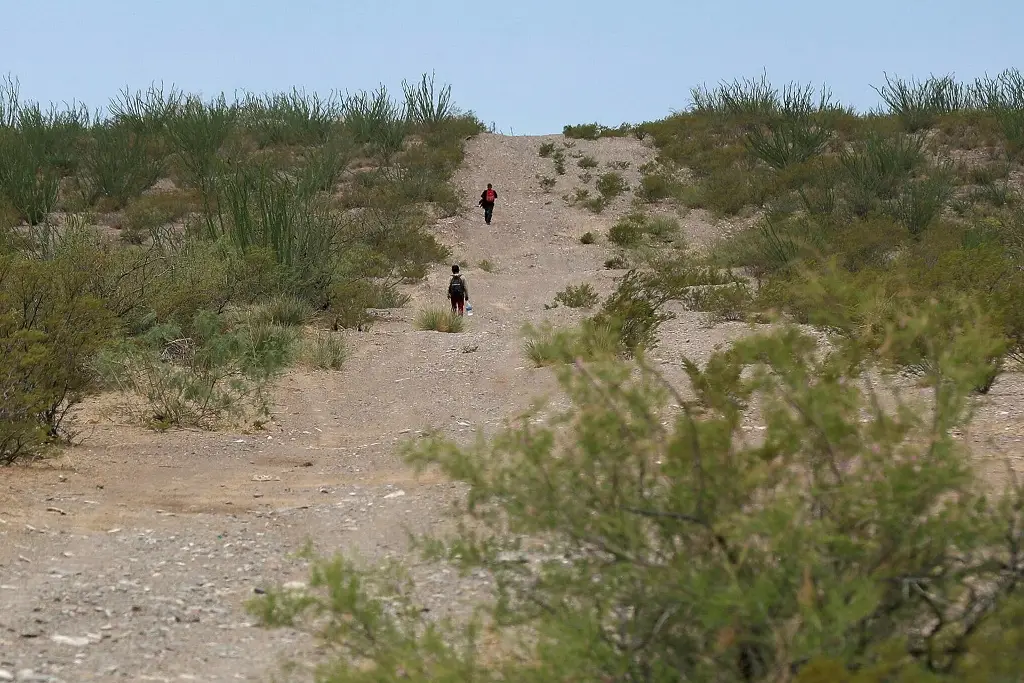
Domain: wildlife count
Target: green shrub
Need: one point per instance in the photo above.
(587, 162)
(786, 140)
(590, 342)
(588, 238)
(439, 320)
(487, 266)
(546, 148)
(635, 311)
(611, 185)
(285, 310)
(559, 158)
(51, 325)
(583, 131)
(325, 350)
(546, 183)
(919, 104)
(218, 373)
(629, 230)
(150, 215)
(877, 168)
(577, 296)
(617, 262)
(919, 203)
(655, 186)
(120, 163)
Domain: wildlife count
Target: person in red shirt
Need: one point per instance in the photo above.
(487, 198)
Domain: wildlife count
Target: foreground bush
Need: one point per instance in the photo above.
(51, 325)
(634, 540)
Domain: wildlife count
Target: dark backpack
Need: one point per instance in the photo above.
(456, 288)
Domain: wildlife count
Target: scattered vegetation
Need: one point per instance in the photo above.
(588, 238)
(546, 148)
(587, 162)
(487, 266)
(325, 350)
(577, 296)
(547, 183)
(439, 320)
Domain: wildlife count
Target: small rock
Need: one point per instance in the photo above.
(6, 675)
(396, 494)
(76, 641)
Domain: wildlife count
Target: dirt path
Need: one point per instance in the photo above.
(141, 547)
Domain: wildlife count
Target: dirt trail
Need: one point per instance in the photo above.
(142, 547)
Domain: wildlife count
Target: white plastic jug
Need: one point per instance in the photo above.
(469, 308)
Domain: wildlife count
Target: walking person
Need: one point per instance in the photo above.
(458, 291)
(487, 198)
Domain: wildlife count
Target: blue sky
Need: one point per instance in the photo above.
(528, 66)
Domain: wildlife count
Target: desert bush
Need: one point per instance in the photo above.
(324, 350)
(655, 186)
(785, 140)
(51, 324)
(610, 185)
(120, 163)
(424, 106)
(289, 118)
(545, 346)
(588, 238)
(559, 158)
(635, 310)
(583, 131)
(587, 162)
(285, 310)
(546, 148)
(877, 168)
(631, 229)
(617, 262)
(919, 203)
(578, 296)
(150, 216)
(918, 104)
(618, 530)
(547, 183)
(257, 208)
(197, 131)
(723, 303)
(218, 373)
(439, 320)
(487, 266)
(375, 120)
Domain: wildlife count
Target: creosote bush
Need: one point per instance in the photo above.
(637, 533)
(578, 296)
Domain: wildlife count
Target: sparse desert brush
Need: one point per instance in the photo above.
(547, 183)
(578, 296)
(284, 309)
(147, 216)
(630, 230)
(487, 266)
(324, 350)
(559, 158)
(584, 131)
(611, 185)
(439, 320)
(588, 238)
(587, 162)
(546, 148)
(589, 342)
(218, 373)
(617, 262)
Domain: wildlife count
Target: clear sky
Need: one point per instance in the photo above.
(528, 66)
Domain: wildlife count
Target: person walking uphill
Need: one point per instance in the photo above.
(458, 292)
(487, 198)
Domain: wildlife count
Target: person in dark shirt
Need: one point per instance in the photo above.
(487, 198)
(458, 291)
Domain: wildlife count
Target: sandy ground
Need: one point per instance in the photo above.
(130, 556)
